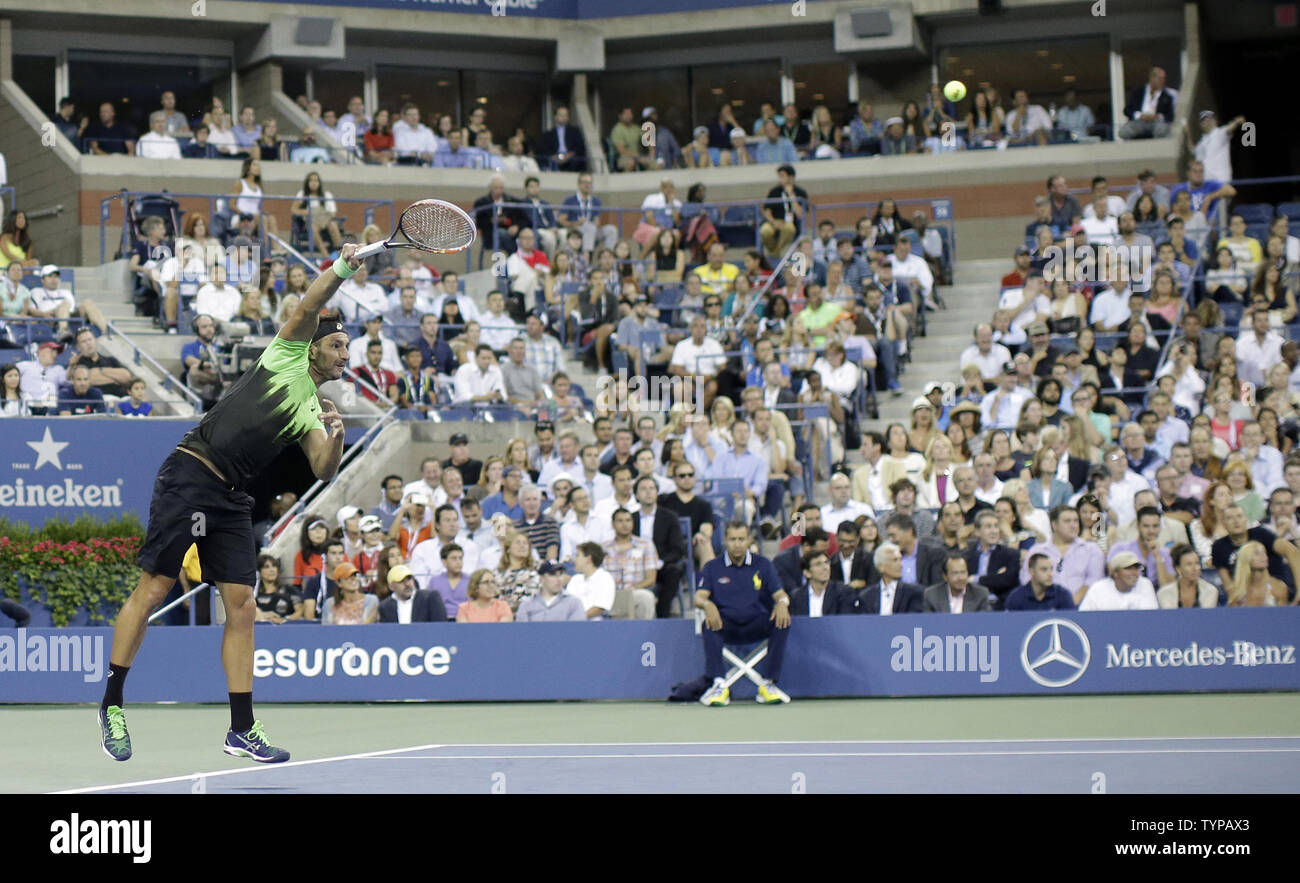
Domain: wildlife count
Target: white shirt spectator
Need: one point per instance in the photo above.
(1008, 411)
(1036, 118)
(390, 360)
(497, 330)
(223, 140)
(831, 517)
(358, 302)
(990, 364)
(1121, 495)
(219, 302)
(573, 534)
(154, 146)
(192, 276)
(1115, 206)
(525, 164)
(40, 384)
(596, 590)
(45, 301)
(686, 352)
(1103, 595)
(1188, 388)
(1256, 357)
(1014, 299)
(656, 203)
(471, 382)
(426, 559)
(1109, 308)
(843, 381)
(916, 268)
(1213, 150)
(604, 510)
(468, 308)
(408, 141)
(994, 493)
(1100, 231)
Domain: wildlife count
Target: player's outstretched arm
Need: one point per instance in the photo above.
(302, 324)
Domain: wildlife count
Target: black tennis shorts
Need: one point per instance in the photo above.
(191, 505)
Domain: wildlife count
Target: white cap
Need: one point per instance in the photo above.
(347, 512)
(49, 269)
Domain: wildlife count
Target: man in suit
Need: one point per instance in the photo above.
(661, 527)
(409, 604)
(492, 214)
(820, 594)
(989, 563)
(1150, 108)
(564, 145)
(852, 564)
(956, 594)
(922, 563)
(789, 564)
(581, 212)
(891, 594)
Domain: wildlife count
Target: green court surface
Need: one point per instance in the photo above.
(52, 748)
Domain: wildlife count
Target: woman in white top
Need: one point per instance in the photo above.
(1067, 304)
(1209, 526)
(1036, 521)
(1225, 282)
(936, 486)
(1189, 385)
(12, 401)
(899, 460)
(248, 193)
(316, 206)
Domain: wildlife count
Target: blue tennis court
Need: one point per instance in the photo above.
(1113, 765)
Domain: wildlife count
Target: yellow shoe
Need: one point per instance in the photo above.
(770, 694)
(716, 695)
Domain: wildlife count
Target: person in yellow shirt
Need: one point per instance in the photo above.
(717, 276)
(1246, 249)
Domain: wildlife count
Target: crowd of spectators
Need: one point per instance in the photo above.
(1125, 426)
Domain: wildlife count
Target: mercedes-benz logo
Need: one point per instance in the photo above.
(1056, 652)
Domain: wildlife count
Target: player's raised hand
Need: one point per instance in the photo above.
(346, 253)
(331, 418)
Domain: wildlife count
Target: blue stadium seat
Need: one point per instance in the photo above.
(1290, 209)
(1255, 213)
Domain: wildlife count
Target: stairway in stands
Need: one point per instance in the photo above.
(970, 300)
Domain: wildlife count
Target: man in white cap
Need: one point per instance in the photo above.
(349, 521)
(372, 543)
(1125, 589)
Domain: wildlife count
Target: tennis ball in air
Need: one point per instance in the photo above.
(955, 90)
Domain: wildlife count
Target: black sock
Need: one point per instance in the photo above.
(241, 712)
(113, 685)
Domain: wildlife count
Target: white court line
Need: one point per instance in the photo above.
(732, 755)
(1008, 740)
(388, 753)
(257, 768)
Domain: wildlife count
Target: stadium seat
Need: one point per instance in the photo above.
(1290, 209)
(1254, 213)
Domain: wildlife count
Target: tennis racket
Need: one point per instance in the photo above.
(428, 225)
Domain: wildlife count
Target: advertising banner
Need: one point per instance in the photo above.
(64, 467)
(560, 9)
(908, 655)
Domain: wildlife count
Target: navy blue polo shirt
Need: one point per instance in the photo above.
(742, 592)
(1056, 598)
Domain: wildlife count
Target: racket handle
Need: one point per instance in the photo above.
(366, 251)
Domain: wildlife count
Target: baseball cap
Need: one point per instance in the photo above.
(1021, 249)
(1205, 114)
(736, 133)
(932, 386)
(371, 522)
(700, 130)
(1070, 349)
(1037, 328)
(1121, 561)
(1008, 367)
(893, 121)
(563, 476)
(921, 402)
(543, 425)
(510, 470)
(646, 112)
(545, 568)
(347, 512)
(50, 345)
(49, 270)
(344, 570)
(398, 573)
(459, 438)
(418, 499)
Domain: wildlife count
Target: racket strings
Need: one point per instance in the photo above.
(435, 226)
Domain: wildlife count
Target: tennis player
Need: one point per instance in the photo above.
(199, 498)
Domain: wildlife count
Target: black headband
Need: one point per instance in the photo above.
(327, 328)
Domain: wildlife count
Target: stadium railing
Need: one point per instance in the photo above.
(220, 213)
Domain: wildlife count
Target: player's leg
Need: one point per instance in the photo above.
(246, 737)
